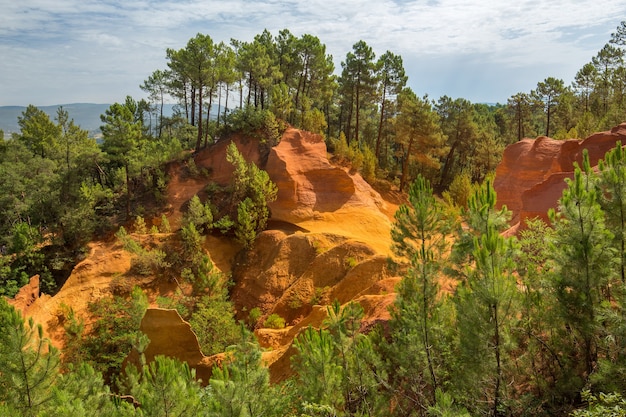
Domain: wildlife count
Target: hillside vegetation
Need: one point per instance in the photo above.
(308, 292)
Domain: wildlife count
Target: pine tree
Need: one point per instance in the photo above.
(199, 214)
(165, 387)
(252, 191)
(418, 321)
(319, 369)
(486, 306)
(80, 392)
(28, 364)
(612, 193)
(539, 360)
(242, 388)
(583, 265)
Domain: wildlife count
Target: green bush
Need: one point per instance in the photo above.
(148, 262)
(140, 226)
(253, 316)
(459, 191)
(199, 214)
(602, 405)
(214, 324)
(114, 332)
(256, 123)
(274, 321)
(165, 225)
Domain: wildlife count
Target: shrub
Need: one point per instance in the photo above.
(128, 243)
(459, 191)
(253, 316)
(318, 295)
(215, 325)
(257, 123)
(192, 242)
(165, 225)
(149, 262)
(200, 215)
(369, 165)
(140, 226)
(274, 321)
(252, 190)
(115, 330)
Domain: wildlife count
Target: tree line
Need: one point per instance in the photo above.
(367, 102)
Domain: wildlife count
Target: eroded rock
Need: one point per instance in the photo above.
(308, 184)
(172, 336)
(530, 179)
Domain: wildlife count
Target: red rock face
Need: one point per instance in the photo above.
(531, 176)
(308, 183)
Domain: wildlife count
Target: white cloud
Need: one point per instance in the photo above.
(128, 38)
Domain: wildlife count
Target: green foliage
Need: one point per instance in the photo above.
(28, 260)
(140, 226)
(114, 332)
(252, 191)
(313, 120)
(80, 392)
(282, 106)
(255, 123)
(164, 227)
(126, 240)
(419, 137)
(318, 368)
(351, 262)
(274, 321)
(419, 317)
(149, 262)
(214, 323)
(602, 405)
(28, 361)
(339, 370)
(144, 261)
(487, 307)
(480, 215)
(165, 387)
(460, 190)
(445, 406)
(198, 214)
(192, 242)
(74, 329)
(37, 131)
(253, 316)
(246, 228)
(241, 387)
(584, 265)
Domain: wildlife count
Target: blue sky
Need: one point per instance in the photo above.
(66, 51)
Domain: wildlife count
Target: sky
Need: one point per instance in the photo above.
(86, 51)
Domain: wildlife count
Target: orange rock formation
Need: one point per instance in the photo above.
(330, 241)
(531, 176)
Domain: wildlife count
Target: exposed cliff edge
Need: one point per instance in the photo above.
(531, 176)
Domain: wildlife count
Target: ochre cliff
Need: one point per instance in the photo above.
(531, 176)
(328, 239)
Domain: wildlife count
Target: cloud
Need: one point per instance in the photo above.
(123, 41)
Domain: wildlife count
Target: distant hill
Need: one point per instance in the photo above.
(86, 115)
